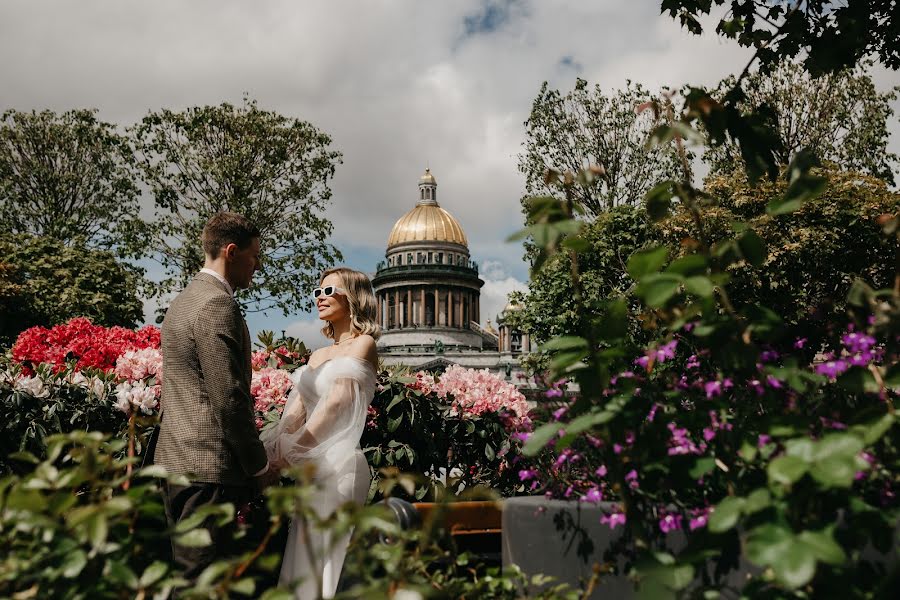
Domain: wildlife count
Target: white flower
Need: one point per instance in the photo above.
(97, 387)
(79, 379)
(34, 386)
(136, 395)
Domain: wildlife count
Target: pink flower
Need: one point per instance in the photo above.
(613, 519)
(269, 388)
(601, 471)
(699, 518)
(670, 522)
(474, 392)
(593, 495)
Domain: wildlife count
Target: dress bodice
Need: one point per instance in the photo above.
(314, 383)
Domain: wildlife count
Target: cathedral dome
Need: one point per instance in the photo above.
(427, 221)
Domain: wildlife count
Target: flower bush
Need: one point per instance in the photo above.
(768, 441)
(452, 431)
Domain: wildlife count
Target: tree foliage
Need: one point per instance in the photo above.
(45, 282)
(841, 117)
(814, 254)
(830, 36)
(65, 176)
(586, 126)
(268, 167)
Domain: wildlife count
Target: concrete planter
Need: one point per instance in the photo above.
(565, 540)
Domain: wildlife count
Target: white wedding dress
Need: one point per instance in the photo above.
(322, 423)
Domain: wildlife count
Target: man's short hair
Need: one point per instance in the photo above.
(225, 228)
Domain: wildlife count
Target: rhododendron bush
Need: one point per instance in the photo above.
(453, 430)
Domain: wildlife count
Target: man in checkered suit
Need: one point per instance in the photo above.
(207, 429)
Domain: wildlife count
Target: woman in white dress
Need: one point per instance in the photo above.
(322, 423)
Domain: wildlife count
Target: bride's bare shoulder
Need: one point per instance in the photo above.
(363, 347)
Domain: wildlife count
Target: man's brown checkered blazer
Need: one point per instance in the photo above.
(207, 431)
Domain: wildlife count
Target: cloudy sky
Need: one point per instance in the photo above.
(398, 84)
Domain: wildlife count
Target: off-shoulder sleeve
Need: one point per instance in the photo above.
(330, 433)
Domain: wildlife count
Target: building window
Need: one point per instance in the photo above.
(440, 258)
(515, 342)
(420, 258)
(409, 259)
(430, 258)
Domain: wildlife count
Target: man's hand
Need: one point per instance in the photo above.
(270, 477)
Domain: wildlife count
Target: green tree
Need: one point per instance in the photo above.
(814, 254)
(45, 282)
(829, 35)
(271, 168)
(841, 117)
(65, 176)
(585, 127)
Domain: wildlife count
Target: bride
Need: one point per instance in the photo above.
(322, 423)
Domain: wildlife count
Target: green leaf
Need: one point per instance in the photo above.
(244, 586)
(786, 469)
(752, 248)
(837, 444)
(823, 546)
(153, 573)
(835, 471)
(699, 286)
(489, 452)
(120, 573)
(540, 437)
(757, 500)
(196, 538)
(644, 262)
(692, 264)
(565, 342)
(726, 514)
(767, 544)
(73, 564)
(657, 289)
(659, 200)
(702, 466)
(797, 565)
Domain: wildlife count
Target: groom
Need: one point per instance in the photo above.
(207, 429)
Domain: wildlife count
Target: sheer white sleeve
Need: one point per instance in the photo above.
(331, 430)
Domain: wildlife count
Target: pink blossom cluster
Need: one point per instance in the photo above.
(137, 395)
(140, 364)
(478, 391)
(276, 358)
(269, 387)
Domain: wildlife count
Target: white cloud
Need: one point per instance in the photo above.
(495, 296)
(309, 331)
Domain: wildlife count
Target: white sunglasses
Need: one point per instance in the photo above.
(328, 291)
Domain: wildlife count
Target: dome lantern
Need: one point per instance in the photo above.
(427, 221)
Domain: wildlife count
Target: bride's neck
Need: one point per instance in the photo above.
(341, 330)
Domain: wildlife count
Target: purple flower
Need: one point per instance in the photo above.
(762, 440)
(629, 438)
(559, 412)
(857, 342)
(617, 448)
(666, 351)
(601, 471)
(526, 474)
(699, 518)
(769, 356)
(593, 495)
(593, 441)
(832, 424)
(773, 382)
(832, 368)
(521, 436)
(670, 522)
(715, 388)
(652, 414)
(643, 361)
(692, 362)
(680, 443)
(613, 519)
(800, 342)
(632, 478)
(553, 393)
(757, 386)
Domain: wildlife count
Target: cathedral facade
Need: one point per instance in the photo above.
(428, 292)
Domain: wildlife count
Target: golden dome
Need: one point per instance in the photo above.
(427, 223)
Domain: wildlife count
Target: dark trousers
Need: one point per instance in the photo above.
(181, 501)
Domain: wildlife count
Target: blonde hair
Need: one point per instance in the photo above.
(361, 298)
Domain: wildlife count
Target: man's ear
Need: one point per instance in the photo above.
(229, 251)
